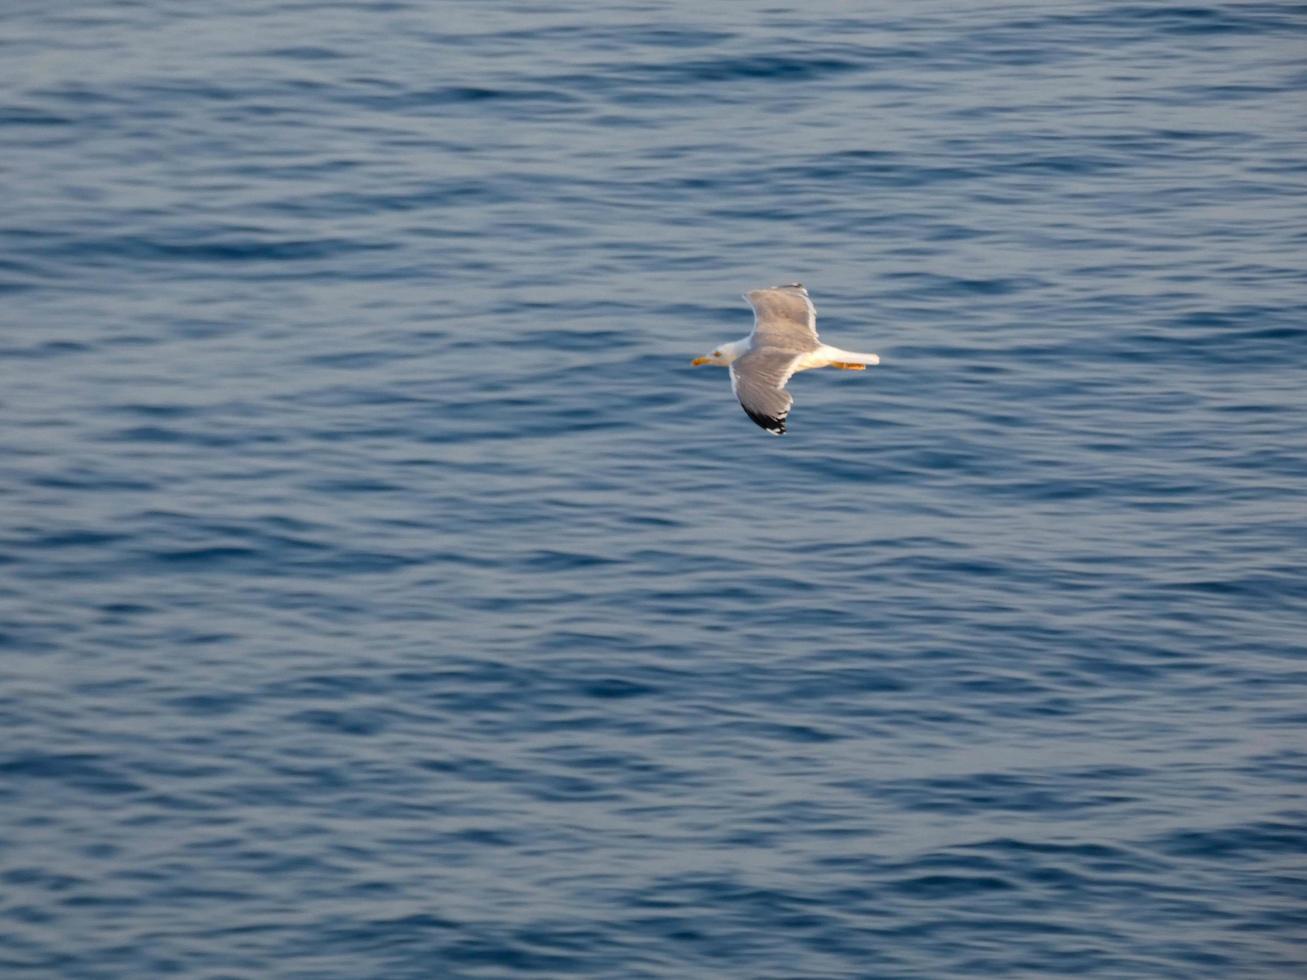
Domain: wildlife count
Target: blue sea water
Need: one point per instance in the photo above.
(383, 595)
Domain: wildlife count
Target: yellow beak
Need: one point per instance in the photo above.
(700, 360)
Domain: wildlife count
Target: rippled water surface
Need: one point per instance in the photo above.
(383, 595)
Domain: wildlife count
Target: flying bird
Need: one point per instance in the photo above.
(784, 341)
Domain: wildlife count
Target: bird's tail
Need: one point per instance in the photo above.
(851, 360)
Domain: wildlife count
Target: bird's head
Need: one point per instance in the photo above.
(720, 356)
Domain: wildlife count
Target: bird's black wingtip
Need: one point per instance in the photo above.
(774, 425)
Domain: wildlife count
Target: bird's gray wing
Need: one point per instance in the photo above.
(784, 317)
(758, 380)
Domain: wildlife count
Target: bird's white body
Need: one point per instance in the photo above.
(824, 356)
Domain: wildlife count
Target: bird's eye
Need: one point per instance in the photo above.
(716, 353)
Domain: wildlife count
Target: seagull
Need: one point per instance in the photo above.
(784, 341)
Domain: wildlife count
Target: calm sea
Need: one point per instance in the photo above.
(382, 594)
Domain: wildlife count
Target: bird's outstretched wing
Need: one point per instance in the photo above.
(758, 380)
(784, 317)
